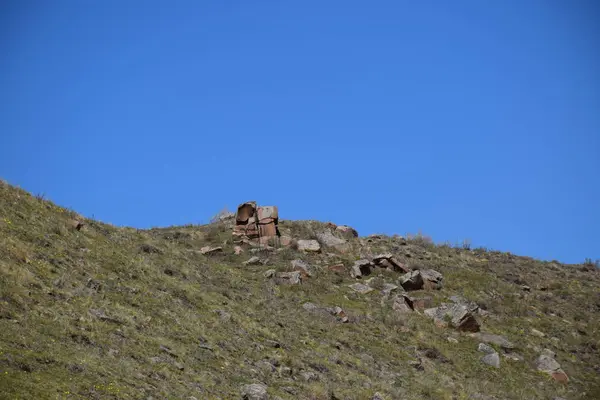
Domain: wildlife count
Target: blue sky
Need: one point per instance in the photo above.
(464, 119)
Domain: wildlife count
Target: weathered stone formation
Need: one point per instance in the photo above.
(254, 222)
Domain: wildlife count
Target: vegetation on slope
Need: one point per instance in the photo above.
(106, 312)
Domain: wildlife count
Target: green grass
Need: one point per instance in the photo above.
(110, 312)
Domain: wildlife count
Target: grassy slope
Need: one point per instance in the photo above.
(83, 314)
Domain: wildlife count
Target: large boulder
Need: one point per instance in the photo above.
(457, 316)
(412, 280)
(309, 245)
(432, 279)
(361, 268)
(388, 261)
(346, 231)
(327, 239)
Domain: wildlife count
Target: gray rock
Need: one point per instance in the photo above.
(211, 250)
(514, 356)
(302, 266)
(412, 281)
(327, 239)
(378, 396)
(456, 315)
(269, 273)
(361, 268)
(388, 288)
(546, 363)
(484, 348)
(387, 260)
(252, 261)
(265, 366)
(432, 279)
(309, 376)
(346, 231)
(309, 245)
(492, 359)
(288, 278)
(360, 288)
(494, 339)
(255, 391)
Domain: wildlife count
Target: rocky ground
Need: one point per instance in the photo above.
(89, 310)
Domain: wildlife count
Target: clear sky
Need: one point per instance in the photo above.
(461, 119)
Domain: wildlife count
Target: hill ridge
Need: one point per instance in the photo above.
(89, 310)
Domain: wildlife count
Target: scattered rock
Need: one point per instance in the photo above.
(179, 365)
(285, 241)
(498, 340)
(492, 359)
(432, 279)
(388, 261)
(514, 356)
(525, 288)
(346, 231)
(361, 268)
(452, 340)
(288, 278)
(339, 313)
(77, 224)
(377, 396)
(546, 363)
(269, 273)
(412, 280)
(402, 305)
(418, 303)
(255, 391)
(265, 366)
(309, 245)
(484, 348)
(360, 288)
(327, 239)
(237, 250)
(207, 250)
(457, 315)
(537, 333)
(302, 267)
(388, 288)
(252, 261)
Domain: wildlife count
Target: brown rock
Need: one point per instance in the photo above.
(388, 261)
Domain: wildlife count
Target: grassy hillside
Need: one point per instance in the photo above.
(104, 312)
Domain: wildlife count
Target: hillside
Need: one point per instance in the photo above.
(93, 311)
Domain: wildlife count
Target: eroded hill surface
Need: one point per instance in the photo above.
(89, 310)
